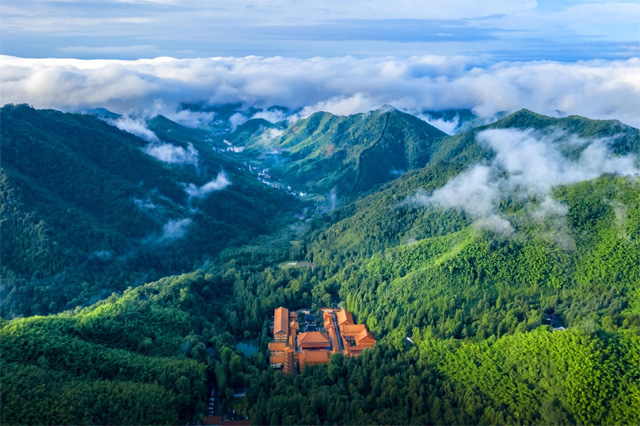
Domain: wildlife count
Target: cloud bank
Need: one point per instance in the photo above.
(595, 89)
(526, 163)
(173, 154)
(220, 182)
(175, 229)
(134, 126)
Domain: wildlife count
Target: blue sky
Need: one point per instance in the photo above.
(147, 57)
(511, 30)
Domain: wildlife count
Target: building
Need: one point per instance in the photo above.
(313, 341)
(365, 339)
(352, 330)
(281, 325)
(294, 326)
(289, 361)
(344, 317)
(313, 358)
(276, 350)
(293, 351)
(329, 325)
(355, 337)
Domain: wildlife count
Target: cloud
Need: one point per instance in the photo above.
(345, 85)
(182, 116)
(527, 163)
(102, 255)
(273, 116)
(173, 154)
(548, 208)
(534, 159)
(474, 191)
(449, 127)
(175, 229)
(570, 30)
(270, 135)
(237, 119)
(191, 118)
(495, 224)
(134, 126)
(220, 182)
(144, 204)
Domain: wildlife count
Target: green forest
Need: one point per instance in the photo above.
(540, 325)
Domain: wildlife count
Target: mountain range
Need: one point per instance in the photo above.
(498, 267)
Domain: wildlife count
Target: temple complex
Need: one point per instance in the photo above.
(292, 351)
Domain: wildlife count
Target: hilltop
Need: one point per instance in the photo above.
(344, 154)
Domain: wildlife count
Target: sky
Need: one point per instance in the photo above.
(563, 30)
(143, 57)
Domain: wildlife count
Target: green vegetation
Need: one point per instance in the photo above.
(127, 360)
(462, 313)
(84, 209)
(346, 154)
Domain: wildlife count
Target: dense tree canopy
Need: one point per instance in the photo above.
(474, 326)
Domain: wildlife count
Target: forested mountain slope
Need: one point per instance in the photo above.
(478, 291)
(344, 154)
(88, 209)
(130, 359)
(500, 280)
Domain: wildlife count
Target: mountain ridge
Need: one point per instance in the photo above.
(448, 282)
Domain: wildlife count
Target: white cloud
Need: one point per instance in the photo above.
(272, 116)
(474, 191)
(136, 127)
(237, 119)
(174, 229)
(182, 116)
(270, 135)
(534, 160)
(144, 204)
(173, 154)
(495, 224)
(191, 118)
(548, 208)
(220, 182)
(595, 89)
(449, 127)
(526, 163)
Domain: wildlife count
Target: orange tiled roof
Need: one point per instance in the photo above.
(365, 338)
(276, 359)
(281, 321)
(277, 346)
(352, 329)
(344, 317)
(313, 337)
(314, 357)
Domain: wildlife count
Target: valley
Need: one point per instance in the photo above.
(133, 267)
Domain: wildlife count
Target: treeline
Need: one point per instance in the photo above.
(140, 358)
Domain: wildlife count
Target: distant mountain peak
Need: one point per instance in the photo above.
(387, 108)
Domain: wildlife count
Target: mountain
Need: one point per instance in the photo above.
(87, 211)
(498, 274)
(343, 154)
(373, 223)
(525, 313)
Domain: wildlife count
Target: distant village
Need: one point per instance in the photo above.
(296, 347)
